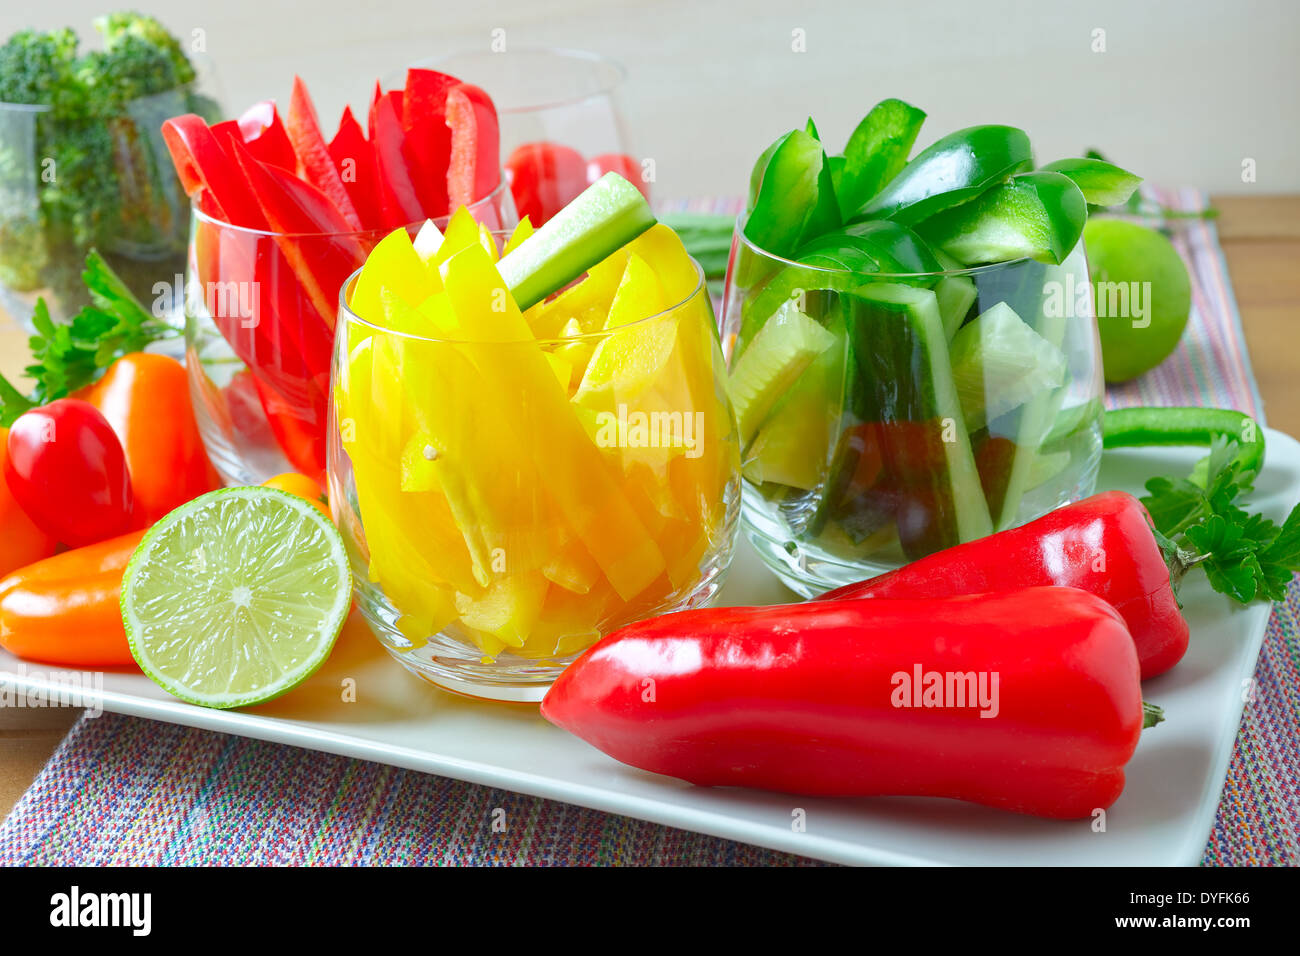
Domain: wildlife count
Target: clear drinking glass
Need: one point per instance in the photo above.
(499, 523)
(69, 185)
(561, 118)
(886, 417)
(260, 309)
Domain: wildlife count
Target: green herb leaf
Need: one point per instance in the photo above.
(66, 357)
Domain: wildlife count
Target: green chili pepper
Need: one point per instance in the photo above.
(1134, 427)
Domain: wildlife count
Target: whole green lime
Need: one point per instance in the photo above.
(1142, 294)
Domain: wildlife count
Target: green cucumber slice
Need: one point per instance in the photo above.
(606, 216)
(901, 351)
(794, 444)
(999, 363)
(774, 360)
(1037, 215)
(956, 295)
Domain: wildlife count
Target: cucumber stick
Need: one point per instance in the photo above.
(956, 294)
(999, 363)
(606, 216)
(793, 446)
(897, 329)
(785, 346)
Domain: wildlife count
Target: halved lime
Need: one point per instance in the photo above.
(236, 597)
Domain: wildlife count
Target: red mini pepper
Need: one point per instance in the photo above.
(1101, 544)
(1025, 700)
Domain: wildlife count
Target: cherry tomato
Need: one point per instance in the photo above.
(302, 486)
(620, 163)
(544, 178)
(67, 469)
(21, 542)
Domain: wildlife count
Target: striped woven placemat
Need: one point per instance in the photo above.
(124, 790)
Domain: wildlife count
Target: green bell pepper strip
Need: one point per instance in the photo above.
(1102, 183)
(876, 152)
(1038, 215)
(949, 172)
(795, 199)
(1138, 427)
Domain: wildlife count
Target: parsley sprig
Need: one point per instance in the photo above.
(1199, 522)
(66, 357)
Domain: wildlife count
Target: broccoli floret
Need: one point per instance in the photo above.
(131, 30)
(110, 183)
(39, 69)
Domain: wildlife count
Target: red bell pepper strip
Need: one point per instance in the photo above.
(398, 196)
(473, 169)
(298, 427)
(355, 162)
(202, 163)
(428, 139)
(303, 216)
(314, 161)
(857, 698)
(1101, 544)
(264, 134)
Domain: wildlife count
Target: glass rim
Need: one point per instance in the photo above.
(26, 107)
(792, 263)
(347, 313)
(559, 52)
(439, 221)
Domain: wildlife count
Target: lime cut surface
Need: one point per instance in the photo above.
(236, 597)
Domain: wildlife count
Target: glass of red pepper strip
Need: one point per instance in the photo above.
(1102, 544)
(824, 698)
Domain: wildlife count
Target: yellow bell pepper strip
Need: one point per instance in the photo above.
(570, 466)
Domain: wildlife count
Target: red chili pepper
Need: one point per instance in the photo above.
(428, 140)
(355, 161)
(1025, 700)
(314, 160)
(397, 193)
(1101, 544)
(264, 134)
(473, 169)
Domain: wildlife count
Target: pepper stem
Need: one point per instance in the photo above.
(1151, 715)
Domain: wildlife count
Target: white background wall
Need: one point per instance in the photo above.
(1183, 92)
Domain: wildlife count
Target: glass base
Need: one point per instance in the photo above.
(447, 661)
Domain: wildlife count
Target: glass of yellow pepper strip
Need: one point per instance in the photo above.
(513, 484)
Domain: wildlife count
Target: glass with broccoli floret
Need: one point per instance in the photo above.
(83, 164)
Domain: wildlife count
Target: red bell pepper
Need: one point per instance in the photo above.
(1101, 544)
(264, 134)
(355, 162)
(397, 193)
(620, 163)
(428, 139)
(1026, 700)
(473, 170)
(314, 160)
(544, 178)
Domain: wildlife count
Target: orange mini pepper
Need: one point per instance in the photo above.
(64, 610)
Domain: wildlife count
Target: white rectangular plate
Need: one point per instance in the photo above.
(1163, 817)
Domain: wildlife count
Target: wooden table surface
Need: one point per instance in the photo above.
(1261, 240)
